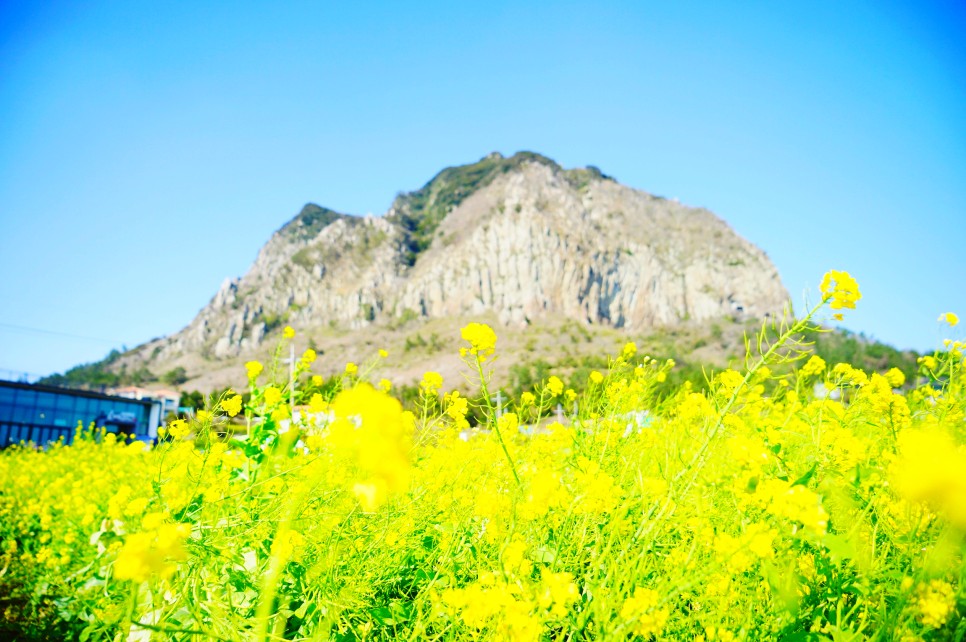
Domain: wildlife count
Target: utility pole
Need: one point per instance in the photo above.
(291, 379)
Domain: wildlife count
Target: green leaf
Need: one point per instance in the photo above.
(300, 611)
(544, 554)
(839, 547)
(804, 479)
(752, 484)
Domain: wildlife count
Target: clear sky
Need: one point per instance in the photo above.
(148, 150)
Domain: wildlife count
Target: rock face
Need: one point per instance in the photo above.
(519, 237)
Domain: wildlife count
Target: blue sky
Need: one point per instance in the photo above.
(147, 153)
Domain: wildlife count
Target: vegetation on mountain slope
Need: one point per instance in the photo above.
(421, 212)
(101, 374)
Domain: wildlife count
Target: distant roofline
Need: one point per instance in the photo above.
(162, 391)
(71, 391)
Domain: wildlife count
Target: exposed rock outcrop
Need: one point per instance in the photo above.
(517, 236)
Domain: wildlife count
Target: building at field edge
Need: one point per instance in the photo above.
(42, 414)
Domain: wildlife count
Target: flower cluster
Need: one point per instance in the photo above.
(841, 289)
(481, 338)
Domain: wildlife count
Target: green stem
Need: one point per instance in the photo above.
(496, 426)
(277, 561)
(164, 629)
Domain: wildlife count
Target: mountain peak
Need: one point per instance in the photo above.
(420, 212)
(517, 239)
(310, 221)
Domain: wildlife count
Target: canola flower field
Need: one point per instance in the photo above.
(753, 511)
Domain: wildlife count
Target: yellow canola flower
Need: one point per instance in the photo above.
(596, 377)
(642, 609)
(154, 552)
(895, 377)
(288, 332)
(508, 422)
(555, 386)
(796, 503)
(493, 602)
(136, 507)
(432, 382)
(351, 369)
(456, 409)
(629, 350)
(287, 546)
(281, 413)
(308, 357)
(178, 429)
(849, 375)
(729, 380)
(481, 338)
(514, 557)
(930, 470)
(815, 365)
(841, 288)
(949, 317)
(545, 491)
(232, 405)
(557, 592)
(254, 369)
(371, 494)
(383, 354)
(372, 429)
(935, 602)
(272, 396)
(317, 403)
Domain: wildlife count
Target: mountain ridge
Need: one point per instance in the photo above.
(513, 239)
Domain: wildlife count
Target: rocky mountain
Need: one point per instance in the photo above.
(518, 240)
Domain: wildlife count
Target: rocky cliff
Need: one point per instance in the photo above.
(517, 238)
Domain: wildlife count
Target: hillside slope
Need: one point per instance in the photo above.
(519, 241)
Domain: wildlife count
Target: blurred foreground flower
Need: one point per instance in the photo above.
(949, 317)
(154, 552)
(371, 428)
(931, 470)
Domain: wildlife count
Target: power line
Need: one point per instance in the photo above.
(22, 328)
(7, 374)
